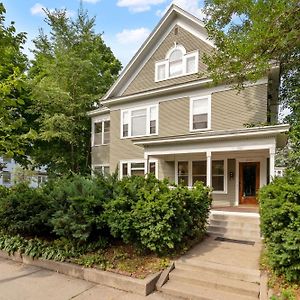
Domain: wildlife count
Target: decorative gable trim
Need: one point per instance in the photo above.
(166, 24)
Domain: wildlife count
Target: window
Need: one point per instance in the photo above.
(41, 179)
(137, 168)
(218, 175)
(199, 171)
(189, 172)
(139, 122)
(200, 113)
(6, 177)
(177, 63)
(6, 159)
(101, 169)
(101, 133)
(183, 172)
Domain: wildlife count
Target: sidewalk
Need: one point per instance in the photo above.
(24, 282)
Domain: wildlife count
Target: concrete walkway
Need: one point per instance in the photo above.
(24, 282)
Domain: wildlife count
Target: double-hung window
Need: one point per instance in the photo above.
(101, 169)
(101, 133)
(139, 121)
(200, 108)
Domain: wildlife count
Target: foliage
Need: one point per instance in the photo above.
(78, 205)
(13, 90)
(280, 224)
(23, 175)
(146, 212)
(25, 211)
(71, 70)
(251, 37)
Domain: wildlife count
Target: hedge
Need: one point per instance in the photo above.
(280, 224)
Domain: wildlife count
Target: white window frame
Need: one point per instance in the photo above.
(129, 111)
(132, 161)
(192, 99)
(99, 120)
(166, 63)
(190, 173)
(102, 166)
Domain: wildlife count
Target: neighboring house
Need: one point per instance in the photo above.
(164, 116)
(13, 173)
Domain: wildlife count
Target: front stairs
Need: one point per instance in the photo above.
(225, 266)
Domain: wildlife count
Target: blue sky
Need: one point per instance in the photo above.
(125, 23)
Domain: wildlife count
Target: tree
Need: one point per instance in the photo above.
(13, 91)
(71, 70)
(251, 36)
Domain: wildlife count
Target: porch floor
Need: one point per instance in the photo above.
(239, 208)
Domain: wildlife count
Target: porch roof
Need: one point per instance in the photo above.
(206, 136)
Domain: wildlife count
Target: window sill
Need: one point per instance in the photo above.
(137, 136)
(100, 145)
(199, 130)
(219, 192)
(177, 76)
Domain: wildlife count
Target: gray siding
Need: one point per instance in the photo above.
(121, 149)
(100, 155)
(145, 79)
(229, 198)
(231, 110)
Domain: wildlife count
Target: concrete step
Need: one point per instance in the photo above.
(234, 224)
(215, 281)
(233, 231)
(235, 237)
(193, 292)
(251, 219)
(229, 271)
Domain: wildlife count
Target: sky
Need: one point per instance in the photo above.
(125, 24)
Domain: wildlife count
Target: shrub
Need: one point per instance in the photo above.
(280, 224)
(25, 211)
(146, 212)
(78, 205)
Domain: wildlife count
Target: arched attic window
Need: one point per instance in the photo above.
(177, 63)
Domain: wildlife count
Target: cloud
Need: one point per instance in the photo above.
(91, 1)
(38, 9)
(137, 6)
(192, 6)
(133, 36)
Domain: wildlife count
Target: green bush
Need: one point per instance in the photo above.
(78, 205)
(4, 191)
(25, 211)
(150, 214)
(280, 224)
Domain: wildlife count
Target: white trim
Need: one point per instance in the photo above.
(179, 14)
(255, 131)
(195, 98)
(208, 171)
(262, 173)
(131, 161)
(234, 213)
(99, 119)
(157, 96)
(129, 111)
(166, 63)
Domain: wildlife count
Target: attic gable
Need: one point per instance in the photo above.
(190, 29)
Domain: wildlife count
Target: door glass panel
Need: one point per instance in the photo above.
(183, 172)
(249, 182)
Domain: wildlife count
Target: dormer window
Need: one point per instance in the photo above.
(176, 63)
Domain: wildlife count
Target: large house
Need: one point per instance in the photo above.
(164, 116)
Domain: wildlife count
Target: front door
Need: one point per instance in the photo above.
(248, 182)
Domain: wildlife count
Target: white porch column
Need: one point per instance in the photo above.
(208, 168)
(272, 163)
(146, 156)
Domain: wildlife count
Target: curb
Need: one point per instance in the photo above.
(138, 286)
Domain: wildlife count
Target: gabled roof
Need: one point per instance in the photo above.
(173, 14)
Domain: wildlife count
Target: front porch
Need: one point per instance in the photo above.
(234, 164)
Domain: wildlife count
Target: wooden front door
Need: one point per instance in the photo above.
(249, 182)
